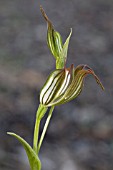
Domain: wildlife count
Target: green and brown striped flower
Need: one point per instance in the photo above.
(65, 84)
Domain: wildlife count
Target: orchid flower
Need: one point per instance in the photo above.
(65, 84)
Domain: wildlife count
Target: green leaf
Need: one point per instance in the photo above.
(34, 161)
(65, 46)
(61, 61)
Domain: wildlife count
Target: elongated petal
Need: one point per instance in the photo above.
(96, 77)
(77, 84)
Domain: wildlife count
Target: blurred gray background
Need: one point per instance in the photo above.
(80, 135)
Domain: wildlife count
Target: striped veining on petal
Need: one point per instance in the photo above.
(54, 88)
(65, 85)
(61, 90)
(74, 89)
(78, 81)
(76, 86)
(48, 83)
(50, 86)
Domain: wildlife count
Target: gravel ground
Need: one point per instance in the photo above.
(80, 136)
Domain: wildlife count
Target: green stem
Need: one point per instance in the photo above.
(45, 127)
(40, 113)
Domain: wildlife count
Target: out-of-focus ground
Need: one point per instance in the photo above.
(80, 135)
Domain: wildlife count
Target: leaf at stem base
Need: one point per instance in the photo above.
(34, 160)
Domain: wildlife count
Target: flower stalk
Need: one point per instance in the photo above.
(40, 113)
(45, 128)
